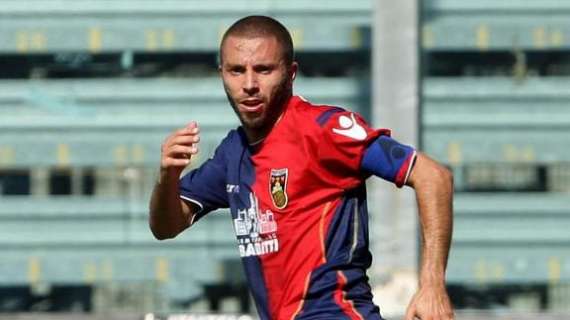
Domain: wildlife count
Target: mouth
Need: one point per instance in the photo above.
(251, 105)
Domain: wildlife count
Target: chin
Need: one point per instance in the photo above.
(255, 123)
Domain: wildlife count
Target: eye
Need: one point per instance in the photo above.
(236, 70)
(263, 69)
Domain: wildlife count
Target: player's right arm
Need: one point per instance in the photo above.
(169, 215)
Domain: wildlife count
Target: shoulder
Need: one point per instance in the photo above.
(315, 115)
(324, 119)
(233, 136)
(232, 143)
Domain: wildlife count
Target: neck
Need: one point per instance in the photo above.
(255, 136)
(255, 143)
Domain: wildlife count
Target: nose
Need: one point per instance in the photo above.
(250, 86)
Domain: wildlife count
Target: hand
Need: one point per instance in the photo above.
(178, 149)
(430, 303)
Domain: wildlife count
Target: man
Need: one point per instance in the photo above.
(293, 177)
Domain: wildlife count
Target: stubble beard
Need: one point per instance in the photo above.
(263, 123)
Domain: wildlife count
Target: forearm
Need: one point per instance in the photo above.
(434, 192)
(168, 217)
(433, 184)
(436, 224)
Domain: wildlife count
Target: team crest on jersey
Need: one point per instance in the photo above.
(278, 187)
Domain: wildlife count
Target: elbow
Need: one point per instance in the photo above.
(446, 176)
(443, 178)
(161, 233)
(428, 174)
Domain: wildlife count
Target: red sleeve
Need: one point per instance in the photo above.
(343, 141)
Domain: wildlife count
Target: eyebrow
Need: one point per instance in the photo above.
(257, 65)
(231, 65)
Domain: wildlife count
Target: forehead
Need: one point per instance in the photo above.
(238, 49)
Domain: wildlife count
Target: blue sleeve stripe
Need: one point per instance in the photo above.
(385, 158)
(325, 116)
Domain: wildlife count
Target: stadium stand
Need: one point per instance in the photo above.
(495, 110)
(495, 25)
(171, 25)
(473, 120)
(78, 156)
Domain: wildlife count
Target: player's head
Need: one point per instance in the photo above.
(262, 26)
(257, 67)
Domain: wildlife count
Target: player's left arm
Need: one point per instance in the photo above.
(433, 185)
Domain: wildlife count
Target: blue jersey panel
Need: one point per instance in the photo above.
(206, 185)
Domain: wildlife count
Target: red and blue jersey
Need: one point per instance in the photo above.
(298, 204)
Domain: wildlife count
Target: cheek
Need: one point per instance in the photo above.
(231, 87)
(275, 85)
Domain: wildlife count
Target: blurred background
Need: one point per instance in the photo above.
(89, 89)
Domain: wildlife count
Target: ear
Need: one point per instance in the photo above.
(293, 70)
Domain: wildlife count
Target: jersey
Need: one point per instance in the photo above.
(298, 204)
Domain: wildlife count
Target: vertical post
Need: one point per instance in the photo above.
(396, 105)
(77, 181)
(39, 182)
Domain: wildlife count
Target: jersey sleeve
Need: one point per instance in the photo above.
(205, 186)
(389, 160)
(350, 150)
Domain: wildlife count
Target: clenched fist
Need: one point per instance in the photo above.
(179, 147)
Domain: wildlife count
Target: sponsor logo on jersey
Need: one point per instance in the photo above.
(256, 230)
(349, 127)
(278, 187)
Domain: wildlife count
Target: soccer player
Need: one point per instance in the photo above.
(293, 175)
